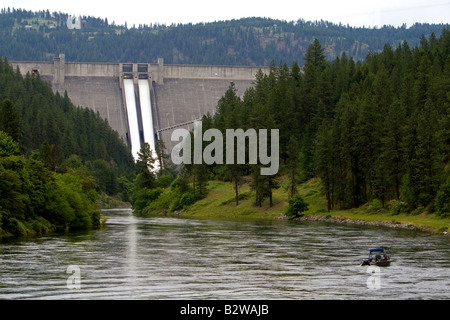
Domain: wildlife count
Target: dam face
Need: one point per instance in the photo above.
(143, 102)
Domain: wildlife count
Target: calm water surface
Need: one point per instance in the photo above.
(170, 258)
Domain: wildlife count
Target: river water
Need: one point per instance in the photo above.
(175, 258)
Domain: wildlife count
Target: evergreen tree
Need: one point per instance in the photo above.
(229, 109)
(296, 207)
(325, 161)
(10, 121)
(315, 58)
(263, 185)
(8, 147)
(145, 165)
(161, 156)
(292, 166)
(392, 146)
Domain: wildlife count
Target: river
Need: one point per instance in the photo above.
(177, 258)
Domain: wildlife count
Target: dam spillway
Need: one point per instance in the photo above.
(147, 114)
(132, 114)
(166, 97)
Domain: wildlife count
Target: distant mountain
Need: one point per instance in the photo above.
(28, 36)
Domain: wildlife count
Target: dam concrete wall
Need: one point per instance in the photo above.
(180, 94)
(181, 100)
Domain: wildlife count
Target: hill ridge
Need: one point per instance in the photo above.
(253, 41)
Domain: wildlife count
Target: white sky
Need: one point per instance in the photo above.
(356, 13)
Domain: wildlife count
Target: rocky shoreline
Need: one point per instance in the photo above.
(344, 220)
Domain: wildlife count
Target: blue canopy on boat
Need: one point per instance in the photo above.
(377, 249)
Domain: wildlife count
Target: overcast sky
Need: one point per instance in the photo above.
(356, 13)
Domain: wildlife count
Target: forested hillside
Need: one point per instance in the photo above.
(376, 132)
(37, 115)
(31, 36)
(55, 158)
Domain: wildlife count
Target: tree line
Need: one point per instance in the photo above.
(247, 41)
(375, 132)
(37, 200)
(55, 158)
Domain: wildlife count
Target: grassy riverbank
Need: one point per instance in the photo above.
(220, 203)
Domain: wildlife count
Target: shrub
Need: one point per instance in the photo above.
(164, 181)
(41, 226)
(296, 206)
(397, 207)
(175, 183)
(374, 205)
(162, 203)
(144, 197)
(180, 184)
(418, 211)
(16, 227)
(185, 200)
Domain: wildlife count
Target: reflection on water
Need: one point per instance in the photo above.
(170, 258)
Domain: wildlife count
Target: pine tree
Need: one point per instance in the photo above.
(293, 167)
(325, 165)
(392, 145)
(10, 120)
(145, 165)
(161, 156)
(263, 185)
(315, 57)
(229, 109)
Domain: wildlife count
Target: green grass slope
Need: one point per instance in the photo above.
(220, 204)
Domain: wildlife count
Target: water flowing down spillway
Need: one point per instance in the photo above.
(146, 113)
(132, 116)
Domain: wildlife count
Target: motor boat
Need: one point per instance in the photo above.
(377, 257)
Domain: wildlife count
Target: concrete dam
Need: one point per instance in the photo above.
(143, 102)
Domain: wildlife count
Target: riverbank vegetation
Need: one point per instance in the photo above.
(220, 204)
(55, 159)
(375, 133)
(34, 199)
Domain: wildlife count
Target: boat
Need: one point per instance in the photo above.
(377, 257)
